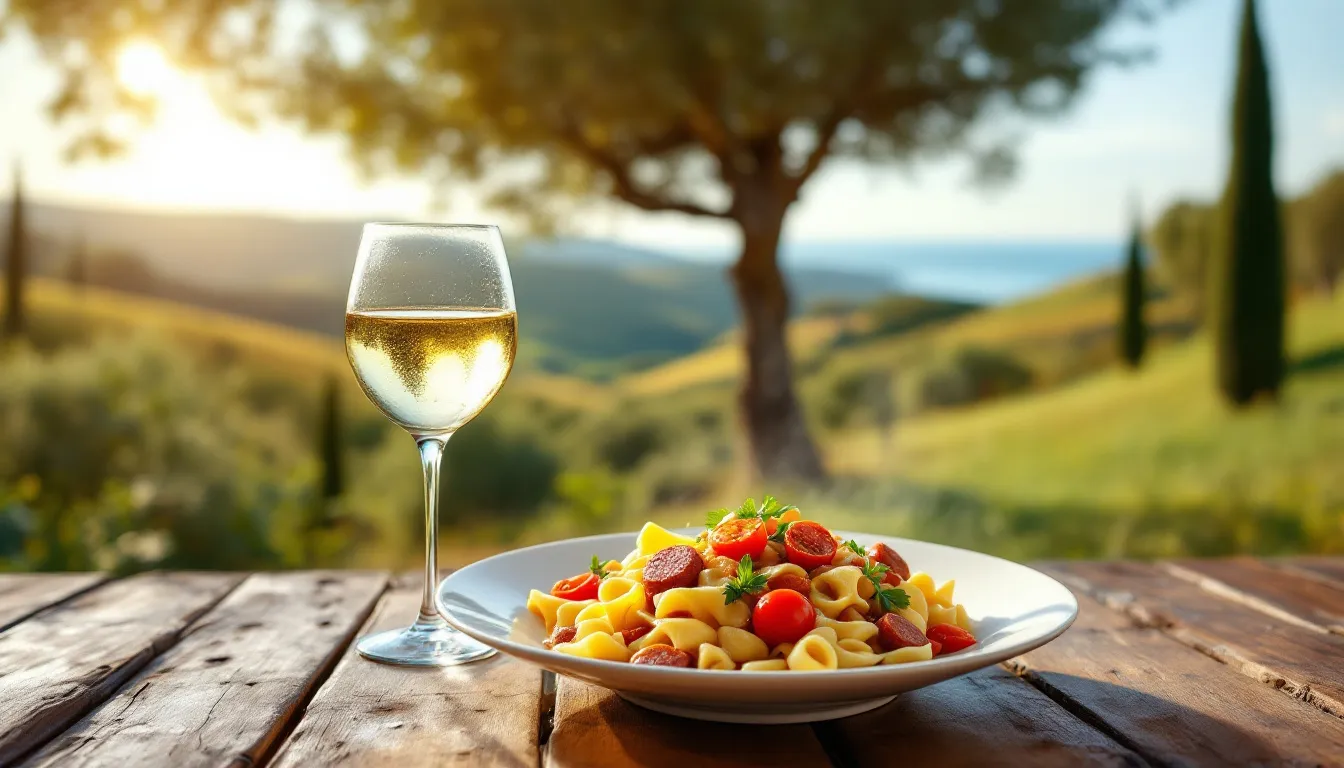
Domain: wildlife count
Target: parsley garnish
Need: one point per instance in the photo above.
(778, 535)
(888, 598)
(856, 547)
(769, 508)
(598, 567)
(744, 583)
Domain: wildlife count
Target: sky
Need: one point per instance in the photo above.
(1158, 132)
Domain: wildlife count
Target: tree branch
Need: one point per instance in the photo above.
(825, 132)
(624, 186)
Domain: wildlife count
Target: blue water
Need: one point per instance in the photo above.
(991, 271)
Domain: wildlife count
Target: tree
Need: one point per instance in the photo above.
(1250, 299)
(1133, 330)
(1181, 240)
(76, 265)
(722, 110)
(329, 442)
(16, 263)
(1320, 222)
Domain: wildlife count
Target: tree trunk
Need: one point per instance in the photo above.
(781, 447)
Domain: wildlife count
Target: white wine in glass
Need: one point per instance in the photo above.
(431, 332)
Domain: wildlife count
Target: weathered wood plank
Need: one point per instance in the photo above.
(1174, 705)
(228, 690)
(1295, 599)
(61, 663)
(367, 714)
(1302, 662)
(1329, 569)
(23, 594)
(987, 718)
(596, 728)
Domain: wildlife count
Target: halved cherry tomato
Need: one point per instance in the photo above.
(736, 537)
(809, 545)
(950, 637)
(783, 616)
(581, 587)
(937, 647)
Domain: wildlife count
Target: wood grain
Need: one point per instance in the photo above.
(1313, 604)
(1328, 569)
(596, 728)
(23, 594)
(367, 714)
(1174, 705)
(1302, 662)
(987, 718)
(61, 663)
(227, 690)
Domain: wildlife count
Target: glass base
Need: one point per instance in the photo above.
(426, 643)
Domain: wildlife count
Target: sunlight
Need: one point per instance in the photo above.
(143, 69)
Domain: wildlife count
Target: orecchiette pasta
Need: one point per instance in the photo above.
(762, 590)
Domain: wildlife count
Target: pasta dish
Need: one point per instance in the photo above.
(760, 589)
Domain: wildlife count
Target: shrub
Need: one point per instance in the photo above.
(969, 375)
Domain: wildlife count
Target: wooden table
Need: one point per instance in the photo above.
(1185, 663)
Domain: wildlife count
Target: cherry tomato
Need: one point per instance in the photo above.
(937, 647)
(950, 637)
(809, 545)
(736, 537)
(581, 587)
(783, 616)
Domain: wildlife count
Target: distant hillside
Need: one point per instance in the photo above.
(588, 306)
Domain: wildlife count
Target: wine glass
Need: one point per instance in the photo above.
(431, 332)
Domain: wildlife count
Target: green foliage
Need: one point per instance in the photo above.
(858, 394)
(330, 439)
(1250, 293)
(968, 375)
(1318, 225)
(16, 264)
(1132, 332)
(1183, 240)
(134, 458)
(495, 472)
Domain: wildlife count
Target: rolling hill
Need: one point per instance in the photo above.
(589, 307)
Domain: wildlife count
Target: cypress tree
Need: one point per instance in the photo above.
(16, 262)
(329, 441)
(76, 267)
(1133, 330)
(1249, 299)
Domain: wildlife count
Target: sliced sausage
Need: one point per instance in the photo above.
(671, 568)
(895, 631)
(887, 556)
(631, 635)
(660, 655)
(799, 584)
(561, 635)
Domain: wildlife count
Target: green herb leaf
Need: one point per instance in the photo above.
(598, 567)
(856, 547)
(744, 583)
(874, 572)
(892, 599)
(747, 510)
(715, 517)
(778, 535)
(771, 507)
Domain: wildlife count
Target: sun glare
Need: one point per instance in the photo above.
(142, 68)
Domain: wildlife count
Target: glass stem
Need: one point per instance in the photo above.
(431, 456)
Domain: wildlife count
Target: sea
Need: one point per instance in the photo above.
(991, 272)
(982, 271)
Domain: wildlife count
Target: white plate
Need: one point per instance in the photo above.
(1015, 609)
